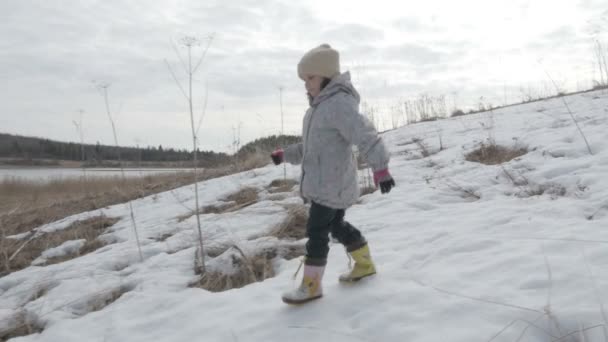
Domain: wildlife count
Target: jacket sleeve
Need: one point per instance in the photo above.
(293, 154)
(359, 131)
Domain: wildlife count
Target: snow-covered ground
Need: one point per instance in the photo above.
(463, 253)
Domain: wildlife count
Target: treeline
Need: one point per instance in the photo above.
(29, 148)
(268, 144)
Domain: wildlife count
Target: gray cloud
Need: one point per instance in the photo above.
(414, 54)
(50, 52)
(562, 38)
(592, 4)
(353, 34)
(409, 24)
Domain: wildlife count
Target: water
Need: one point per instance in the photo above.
(50, 174)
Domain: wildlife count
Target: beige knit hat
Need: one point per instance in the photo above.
(321, 61)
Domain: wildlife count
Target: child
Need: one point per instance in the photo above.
(332, 125)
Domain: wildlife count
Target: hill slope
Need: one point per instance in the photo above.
(465, 251)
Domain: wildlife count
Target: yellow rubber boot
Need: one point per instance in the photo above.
(309, 289)
(364, 266)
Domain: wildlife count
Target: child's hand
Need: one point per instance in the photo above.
(277, 156)
(383, 179)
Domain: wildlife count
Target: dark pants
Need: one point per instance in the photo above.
(322, 221)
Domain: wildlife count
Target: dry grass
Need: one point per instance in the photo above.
(425, 149)
(27, 250)
(493, 154)
(257, 267)
(281, 185)
(209, 209)
(105, 298)
(22, 325)
(243, 196)
(163, 237)
(250, 269)
(26, 205)
(467, 193)
(233, 202)
(526, 188)
(294, 226)
(551, 189)
(21, 322)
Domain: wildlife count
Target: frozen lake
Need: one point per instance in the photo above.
(48, 174)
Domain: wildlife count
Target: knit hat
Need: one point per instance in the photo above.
(321, 61)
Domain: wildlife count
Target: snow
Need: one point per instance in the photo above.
(510, 265)
(66, 248)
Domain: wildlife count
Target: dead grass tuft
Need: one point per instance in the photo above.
(493, 154)
(218, 209)
(215, 250)
(163, 237)
(105, 298)
(526, 188)
(249, 269)
(281, 185)
(294, 226)
(20, 324)
(467, 193)
(253, 268)
(247, 195)
(238, 200)
(27, 250)
(209, 209)
(422, 146)
(551, 189)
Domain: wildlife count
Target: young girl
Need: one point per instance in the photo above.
(332, 125)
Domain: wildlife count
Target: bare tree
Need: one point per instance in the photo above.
(190, 69)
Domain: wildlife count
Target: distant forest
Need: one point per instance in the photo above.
(29, 148)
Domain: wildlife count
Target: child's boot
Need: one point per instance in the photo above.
(364, 266)
(309, 289)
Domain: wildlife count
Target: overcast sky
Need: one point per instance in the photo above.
(53, 53)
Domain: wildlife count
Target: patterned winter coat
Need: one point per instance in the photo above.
(331, 126)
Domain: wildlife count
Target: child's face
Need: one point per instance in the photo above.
(313, 84)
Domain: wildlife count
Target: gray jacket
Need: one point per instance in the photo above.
(331, 126)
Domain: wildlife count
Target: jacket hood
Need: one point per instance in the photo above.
(340, 83)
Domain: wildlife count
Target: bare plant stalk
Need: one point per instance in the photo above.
(194, 146)
(31, 237)
(79, 128)
(282, 129)
(604, 60)
(601, 61)
(563, 98)
(189, 42)
(200, 120)
(104, 87)
(439, 134)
